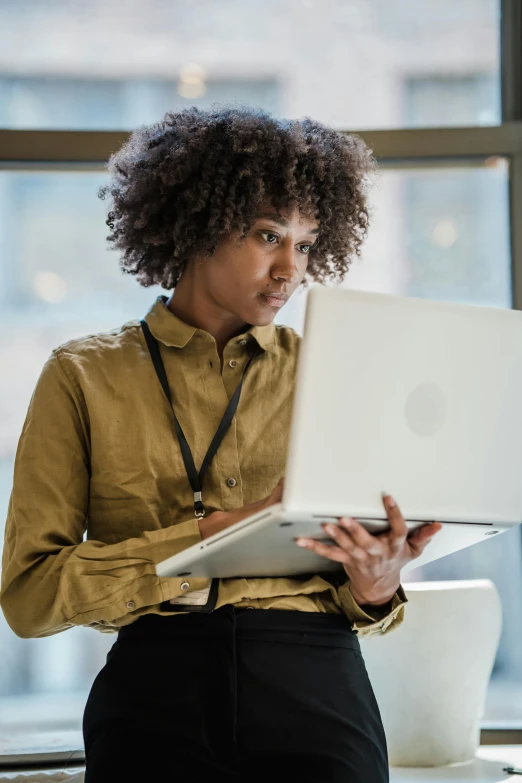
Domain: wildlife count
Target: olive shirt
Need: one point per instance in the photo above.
(100, 492)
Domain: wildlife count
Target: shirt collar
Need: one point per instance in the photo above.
(171, 330)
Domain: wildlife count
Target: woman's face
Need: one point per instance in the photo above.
(272, 258)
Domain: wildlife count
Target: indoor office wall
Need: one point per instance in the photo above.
(439, 227)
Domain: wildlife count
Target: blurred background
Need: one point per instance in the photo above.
(440, 222)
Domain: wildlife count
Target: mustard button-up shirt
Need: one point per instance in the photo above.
(100, 492)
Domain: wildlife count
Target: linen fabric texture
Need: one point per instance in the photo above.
(100, 492)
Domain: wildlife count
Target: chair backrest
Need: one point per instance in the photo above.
(430, 675)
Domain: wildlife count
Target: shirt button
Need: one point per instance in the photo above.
(232, 363)
(185, 585)
(231, 482)
(130, 605)
(242, 342)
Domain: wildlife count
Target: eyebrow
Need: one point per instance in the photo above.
(281, 220)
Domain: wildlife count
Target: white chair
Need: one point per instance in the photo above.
(430, 675)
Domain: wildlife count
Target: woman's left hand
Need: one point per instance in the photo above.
(373, 562)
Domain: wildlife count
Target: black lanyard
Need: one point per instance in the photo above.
(196, 480)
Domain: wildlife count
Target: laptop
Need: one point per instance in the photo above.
(417, 398)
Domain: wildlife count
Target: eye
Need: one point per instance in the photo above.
(307, 247)
(268, 234)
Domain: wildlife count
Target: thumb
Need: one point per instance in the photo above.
(422, 536)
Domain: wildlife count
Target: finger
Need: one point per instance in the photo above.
(361, 537)
(325, 550)
(422, 536)
(398, 529)
(345, 541)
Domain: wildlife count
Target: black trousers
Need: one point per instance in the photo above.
(235, 695)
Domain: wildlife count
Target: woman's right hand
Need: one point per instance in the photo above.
(219, 520)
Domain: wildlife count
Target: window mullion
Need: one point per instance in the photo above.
(511, 59)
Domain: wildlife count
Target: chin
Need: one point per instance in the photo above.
(262, 316)
(263, 321)
(256, 319)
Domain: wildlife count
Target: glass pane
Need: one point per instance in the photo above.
(436, 232)
(457, 239)
(348, 63)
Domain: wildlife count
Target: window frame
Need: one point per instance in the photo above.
(56, 150)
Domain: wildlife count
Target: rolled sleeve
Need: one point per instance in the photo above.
(366, 625)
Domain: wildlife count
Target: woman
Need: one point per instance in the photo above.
(233, 210)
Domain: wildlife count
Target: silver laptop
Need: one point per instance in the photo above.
(417, 398)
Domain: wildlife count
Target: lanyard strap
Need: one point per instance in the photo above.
(196, 480)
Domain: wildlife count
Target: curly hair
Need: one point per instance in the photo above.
(181, 185)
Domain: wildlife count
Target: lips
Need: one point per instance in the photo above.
(274, 300)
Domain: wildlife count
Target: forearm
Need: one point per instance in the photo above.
(45, 592)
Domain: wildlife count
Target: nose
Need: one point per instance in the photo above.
(286, 264)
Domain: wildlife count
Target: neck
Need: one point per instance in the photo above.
(192, 304)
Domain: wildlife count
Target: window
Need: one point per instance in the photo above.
(452, 100)
(345, 62)
(111, 104)
(437, 231)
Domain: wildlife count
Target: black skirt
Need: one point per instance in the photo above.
(235, 695)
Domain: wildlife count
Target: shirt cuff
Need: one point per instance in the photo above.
(362, 622)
